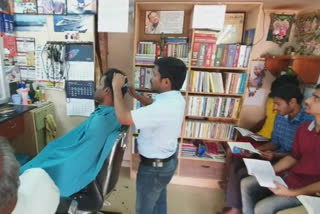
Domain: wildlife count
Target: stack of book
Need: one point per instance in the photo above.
(227, 107)
(209, 130)
(203, 50)
(188, 150)
(142, 78)
(146, 52)
(177, 47)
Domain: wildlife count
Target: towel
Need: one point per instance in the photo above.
(74, 160)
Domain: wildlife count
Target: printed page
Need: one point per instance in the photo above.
(247, 133)
(311, 203)
(264, 172)
(243, 145)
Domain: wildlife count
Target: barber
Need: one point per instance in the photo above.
(160, 124)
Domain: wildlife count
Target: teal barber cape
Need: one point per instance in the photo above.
(74, 160)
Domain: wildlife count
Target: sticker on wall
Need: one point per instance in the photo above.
(82, 7)
(25, 6)
(72, 36)
(52, 7)
(33, 23)
(81, 24)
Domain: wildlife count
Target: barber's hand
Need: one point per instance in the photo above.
(118, 81)
(132, 91)
(282, 190)
(267, 155)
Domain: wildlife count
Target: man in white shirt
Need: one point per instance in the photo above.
(160, 126)
(33, 192)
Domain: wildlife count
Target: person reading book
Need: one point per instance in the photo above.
(287, 99)
(300, 170)
(75, 159)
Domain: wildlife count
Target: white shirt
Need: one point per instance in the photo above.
(37, 193)
(160, 125)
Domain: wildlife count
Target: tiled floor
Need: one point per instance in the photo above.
(181, 199)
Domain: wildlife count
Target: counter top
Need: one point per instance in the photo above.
(17, 110)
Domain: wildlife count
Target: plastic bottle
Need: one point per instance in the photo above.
(24, 94)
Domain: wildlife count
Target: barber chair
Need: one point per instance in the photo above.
(91, 199)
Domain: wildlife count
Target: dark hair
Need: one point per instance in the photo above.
(317, 86)
(108, 80)
(284, 80)
(287, 92)
(173, 69)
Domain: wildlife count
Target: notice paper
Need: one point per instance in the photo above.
(263, 171)
(208, 17)
(242, 145)
(113, 16)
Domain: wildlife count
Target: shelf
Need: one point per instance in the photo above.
(224, 119)
(146, 65)
(213, 94)
(206, 139)
(199, 159)
(219, 68)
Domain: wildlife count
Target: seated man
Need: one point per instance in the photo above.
(300, 170)
(34, 192)
(74, 160)
(290, 115)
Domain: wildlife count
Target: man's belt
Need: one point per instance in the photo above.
(154, 162)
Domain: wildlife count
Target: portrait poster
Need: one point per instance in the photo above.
(280, 28)
(257, 73)
(25, 6)
(52, 7)
(168, 22)
(82, 7)
(232, 29)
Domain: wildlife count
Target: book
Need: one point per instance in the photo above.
(235, 146)
(264, 172)
(311, 203)
(247, 133)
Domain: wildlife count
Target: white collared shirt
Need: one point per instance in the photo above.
(37, 193)
(160, 125)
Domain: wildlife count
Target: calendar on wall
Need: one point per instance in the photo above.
(80, 89)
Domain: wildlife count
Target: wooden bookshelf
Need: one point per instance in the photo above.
(201, 172)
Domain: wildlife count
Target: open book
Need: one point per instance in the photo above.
(235, 146)
(311, 203)
(263, 171)
(247, 133)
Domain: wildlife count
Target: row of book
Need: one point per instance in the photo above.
(206, 52)
(209, 130)
(177, 47)
(212, 82)
(227, 107)
(142, 77)
(146, 52)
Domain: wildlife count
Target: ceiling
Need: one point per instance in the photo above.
(268, 4)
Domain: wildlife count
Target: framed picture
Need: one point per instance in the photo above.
(257, 73)
(26, 6)
(168, 22)
(82, 7)
(233, 29)
(308, 33)
(280, 28)
(52, 7)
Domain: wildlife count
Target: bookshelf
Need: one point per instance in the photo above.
(216, 87)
